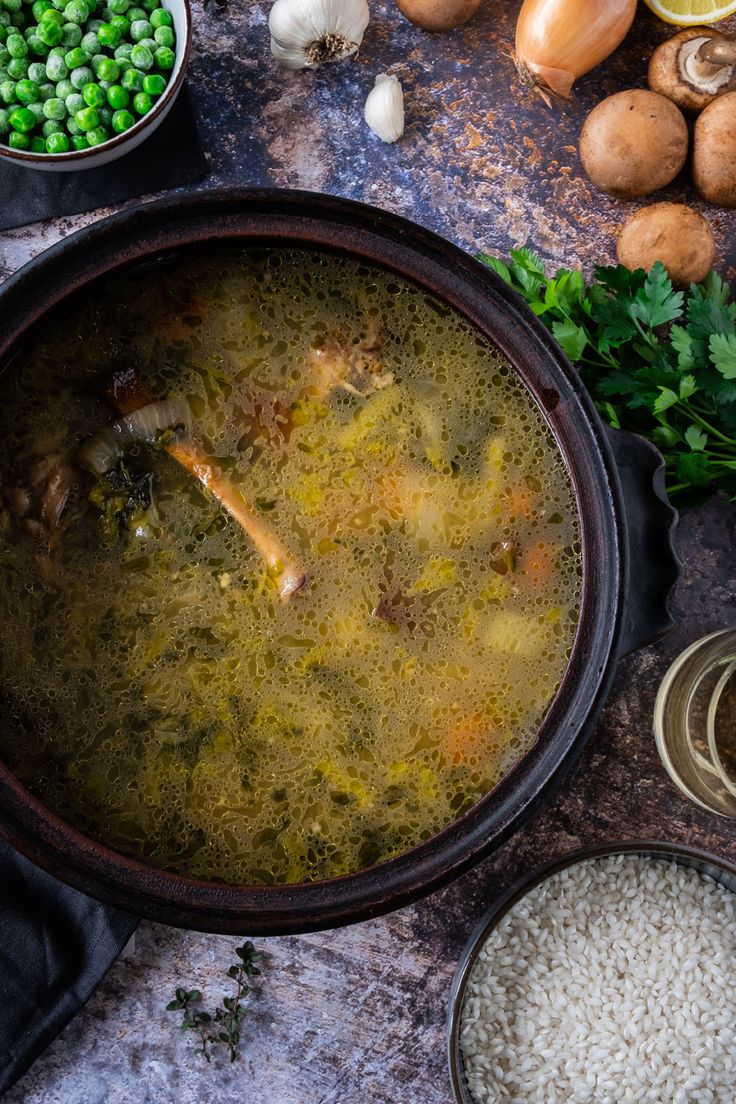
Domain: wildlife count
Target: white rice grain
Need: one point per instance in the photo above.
(613, 981)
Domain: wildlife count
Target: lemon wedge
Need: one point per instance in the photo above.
(689, 13)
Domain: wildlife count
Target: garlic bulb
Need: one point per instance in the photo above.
(384, 108)
(308, 33)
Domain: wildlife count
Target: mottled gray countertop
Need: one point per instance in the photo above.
(358, 1015)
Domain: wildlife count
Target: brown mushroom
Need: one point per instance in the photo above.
(633, 143)
(714, 151)
(438, 15)
(672, 233)
(692, 68)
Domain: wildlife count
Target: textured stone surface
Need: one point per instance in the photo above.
(358, 1015)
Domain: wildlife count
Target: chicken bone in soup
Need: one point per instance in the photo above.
(289, 565)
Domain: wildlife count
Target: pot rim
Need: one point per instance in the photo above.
(716, 867)
(257, 216)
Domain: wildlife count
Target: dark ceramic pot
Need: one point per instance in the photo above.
(620, 609)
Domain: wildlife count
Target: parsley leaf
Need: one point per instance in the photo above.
(657, 361)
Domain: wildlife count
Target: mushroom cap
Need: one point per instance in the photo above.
(664, 74)
(672, 233)
(633, 143)
(438, 15)
(714, 151)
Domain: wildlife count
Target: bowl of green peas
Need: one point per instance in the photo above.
(83, 82)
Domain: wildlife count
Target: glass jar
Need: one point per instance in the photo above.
(695, 722)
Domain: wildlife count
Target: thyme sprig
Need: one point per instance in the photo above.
(222, 1027)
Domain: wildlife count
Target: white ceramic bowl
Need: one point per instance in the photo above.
(121, 144)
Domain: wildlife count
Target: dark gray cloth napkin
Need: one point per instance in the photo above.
(56, 945)
(171, 157)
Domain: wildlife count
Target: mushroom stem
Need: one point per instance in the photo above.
(707, 64)
(128, 393)
(717, 52)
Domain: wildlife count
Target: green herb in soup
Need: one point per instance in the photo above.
(289, 566)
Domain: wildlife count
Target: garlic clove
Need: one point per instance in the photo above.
(308, 33)
(384, 108)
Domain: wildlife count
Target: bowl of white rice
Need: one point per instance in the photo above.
(606, 976)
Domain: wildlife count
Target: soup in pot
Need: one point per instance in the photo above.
(289, 565)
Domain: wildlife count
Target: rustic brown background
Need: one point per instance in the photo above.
(359, 1015)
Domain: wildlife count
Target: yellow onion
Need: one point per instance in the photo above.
(559, 40)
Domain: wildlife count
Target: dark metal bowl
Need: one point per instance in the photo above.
(619, 610)
(720, 870)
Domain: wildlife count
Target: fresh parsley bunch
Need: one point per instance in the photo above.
(657, 361)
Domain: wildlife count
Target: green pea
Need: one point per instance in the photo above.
(5, 55)
(93, 95)
(37, 46)
(118, 7)
(87, 118)
(12, 6)
(136, 13)
(46, 91)
(149, 43)
(140, 28)
(77, 12)
(162, 18)
(107, 69)
(74, 102)
(19, 141)
(97, 135)
(122, 24)
(81, 76)
(90, 43)
(5, 18)
(131, 80)
(142, 58)
(106, 14)
(164, 36)
(142, 103)
(150, 5)
(39, 8)
(109, 35)
(55, 109)
(164, 58)
(22, 119)
(154, 84)
(64, 88)
(51, 15)
(38, 144)
(16, 46)
(7, 91)
(59, 4)
(5, 120)
(71, 126)
(123, 50)
(76, 57)
(57, 143)
(50, 33)
(79, 142)
(26, 91)
(51, 126)
(37, 109)
(56, 68)
(94, 25)
(37, 71)
(17, 68)
(122, 120)
(71, 35)
(117, 97)
(125, 64)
